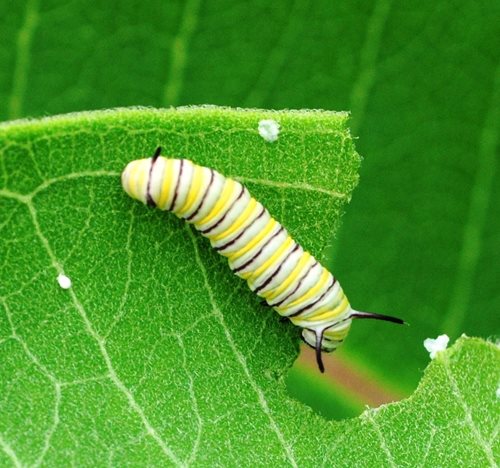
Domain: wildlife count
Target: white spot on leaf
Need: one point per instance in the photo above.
(64, 281)
(269, 130)
(435, 345)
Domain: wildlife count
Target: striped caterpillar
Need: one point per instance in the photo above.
(258, 248)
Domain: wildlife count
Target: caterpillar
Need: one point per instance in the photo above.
(258, 247)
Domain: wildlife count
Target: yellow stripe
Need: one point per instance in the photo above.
(194, 190)
(330, 313)
(167, 183)
(338, 335)
(314, 290)
(320, 310)
(221, 202)
(339, 297)
(271, 294)
(253, 275)
(237, 223)
(267, 264)
(139, 181)
(270, 225)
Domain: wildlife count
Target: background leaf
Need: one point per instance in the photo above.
(421, 80)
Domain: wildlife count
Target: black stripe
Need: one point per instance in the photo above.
(206, 231)
(248, 262)
(329, 340)
(177, 187)
(268, 280)
(195, 212)
(231, 242)
(326, 350)
(149, 198)
(312, 304)
(296, 287)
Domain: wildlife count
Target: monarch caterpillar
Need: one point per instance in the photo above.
(258, 248)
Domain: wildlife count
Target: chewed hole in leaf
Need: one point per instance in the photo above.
(344, 391)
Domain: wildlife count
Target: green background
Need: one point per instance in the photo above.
(422, 80)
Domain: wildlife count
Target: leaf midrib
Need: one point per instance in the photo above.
(22, 60)
(475, 222)
(237, 353)
(179, 51)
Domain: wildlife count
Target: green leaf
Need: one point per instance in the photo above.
(157, 348)
(158, 354)
(420, 79)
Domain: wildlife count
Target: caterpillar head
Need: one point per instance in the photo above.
(328, 339)
(136, 178)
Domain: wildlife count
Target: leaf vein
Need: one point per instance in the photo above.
(180, 45)
(121, 311)
(277, 56)
(468, 414)
(53, 427)
(428, 448)
(102, 347)
(239, 356)
(20, 70)
(9, 451)
(368, 58)
(482, 188)
(290, 185)
(194, 400)
(46, 373)
(383, 444)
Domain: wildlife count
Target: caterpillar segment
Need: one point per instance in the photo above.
(258, 248)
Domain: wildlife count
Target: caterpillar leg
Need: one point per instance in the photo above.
(318, 346)
(319, 341)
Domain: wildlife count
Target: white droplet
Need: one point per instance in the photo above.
(64, 281)
(269, 130)
(435, 345)
(498, 392)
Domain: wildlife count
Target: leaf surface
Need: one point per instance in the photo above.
(421, 80)
(157, 349)
(158, 354)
